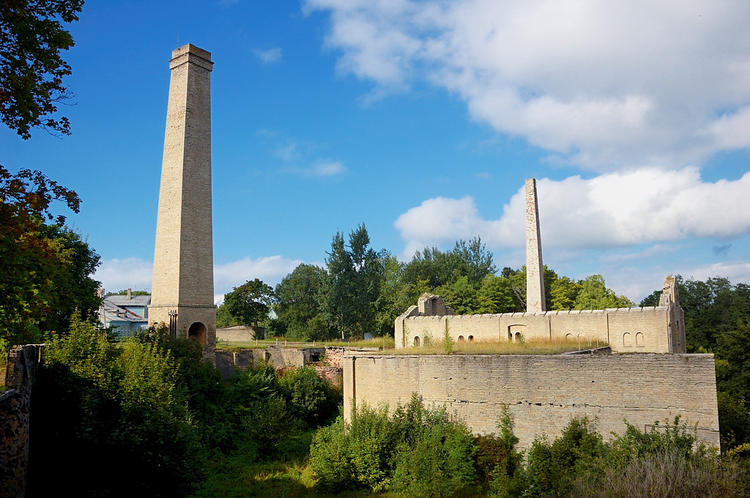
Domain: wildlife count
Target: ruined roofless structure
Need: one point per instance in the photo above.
(182, 295)
(655, 329)
(543, 392)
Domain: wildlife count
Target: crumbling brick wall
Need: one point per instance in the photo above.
(15, 407)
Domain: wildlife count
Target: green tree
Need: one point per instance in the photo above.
(495, 295)
(562, 293)
(250, 302)
(46, 267)
(461, 295)
(394, 296)
(468, 258)
(298, 296)
(353, 284)
(224, 318)
(594, 295)
(31, 67)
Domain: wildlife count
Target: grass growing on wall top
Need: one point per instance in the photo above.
(377, 342)
(528, 346)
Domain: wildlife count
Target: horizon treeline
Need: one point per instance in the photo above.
(360, 290)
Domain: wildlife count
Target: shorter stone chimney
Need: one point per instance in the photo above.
(129, 295)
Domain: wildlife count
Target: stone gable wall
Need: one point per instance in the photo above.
(544, 391)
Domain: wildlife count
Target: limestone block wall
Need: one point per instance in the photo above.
(648, 329)
(544, 391)
(15, 409)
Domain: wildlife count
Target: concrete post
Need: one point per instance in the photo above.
(535, 301)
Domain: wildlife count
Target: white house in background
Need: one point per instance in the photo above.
(124, 313)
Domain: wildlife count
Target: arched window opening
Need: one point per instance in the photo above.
(568, 336)
(519, 337)
(416, 341)
(639, 339)
(471, 338)
(197, 332)
(460, 338)
(627, 340)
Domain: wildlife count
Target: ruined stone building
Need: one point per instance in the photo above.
(655, 382)
(655, 329)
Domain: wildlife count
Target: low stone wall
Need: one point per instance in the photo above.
(15, 405)
(543, 392)
(334, 375)
(279, 357)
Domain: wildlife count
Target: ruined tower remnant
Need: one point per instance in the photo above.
(182, 294)
(534, 265)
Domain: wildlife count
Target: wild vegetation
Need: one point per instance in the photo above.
(528, 346)
(146, 416)
(362, 291)
(416, 451)
(717, 320)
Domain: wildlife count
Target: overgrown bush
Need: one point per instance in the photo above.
(115, 413)
(499, 464)
(552, 467)
(414, 451)
(667, 473)
(310, 398)
(439, 463)
(145, 416)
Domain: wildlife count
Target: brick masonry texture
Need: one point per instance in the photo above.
(649, 329)
(543, 392)
(183, 252)
(15, 405)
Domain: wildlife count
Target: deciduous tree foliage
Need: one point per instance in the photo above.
(46, 267)
(31, 66)
(250, 302)
(299, 302)
(353, 284)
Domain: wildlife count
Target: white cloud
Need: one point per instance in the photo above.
(135, 273)
(637, 282)
(614, 209)
(268, 56)
(270, 269)
(126, 273)
(736, 272)
(649, 252)
(598, 83)
(327, 169)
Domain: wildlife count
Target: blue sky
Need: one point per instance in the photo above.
(422, 120)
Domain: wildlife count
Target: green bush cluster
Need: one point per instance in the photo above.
(146, 415)
(420, 452)
(413, 451)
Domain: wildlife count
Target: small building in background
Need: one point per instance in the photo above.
(125, 314)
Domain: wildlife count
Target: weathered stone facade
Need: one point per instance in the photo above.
(656, 329)
(15, 411)
(544, 391)
(535, 301)
(182, 294)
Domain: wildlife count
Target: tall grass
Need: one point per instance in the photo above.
(528, 346)
(383, 342)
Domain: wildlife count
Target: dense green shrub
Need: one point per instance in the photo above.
(552, 467)
(102, 408)
(439, 463)
(414, 451)
(499, 464)
(310, 398)
(145, 416)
